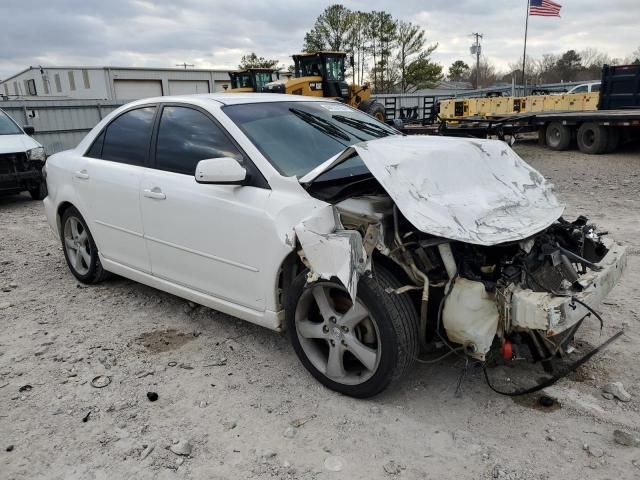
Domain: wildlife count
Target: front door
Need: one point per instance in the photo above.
(205, 237)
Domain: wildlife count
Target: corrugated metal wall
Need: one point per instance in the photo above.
(59, 124)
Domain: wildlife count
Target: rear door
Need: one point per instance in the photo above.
(109, 186)
(210, 238)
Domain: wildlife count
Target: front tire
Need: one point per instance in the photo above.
(357, 350)
(80, 250)
(373, 108)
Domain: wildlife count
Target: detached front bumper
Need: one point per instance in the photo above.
(554, 314)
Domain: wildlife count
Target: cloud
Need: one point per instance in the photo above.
(216, 33)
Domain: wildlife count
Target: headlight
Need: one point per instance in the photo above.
(36, 154)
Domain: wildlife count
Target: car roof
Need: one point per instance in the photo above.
(233, 98)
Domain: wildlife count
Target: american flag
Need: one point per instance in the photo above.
(544, 8)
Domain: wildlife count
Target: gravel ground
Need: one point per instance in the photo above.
(236, 396)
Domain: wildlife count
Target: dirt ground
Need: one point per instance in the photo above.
(238, 396)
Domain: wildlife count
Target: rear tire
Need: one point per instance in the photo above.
(558, 136)
(388, 329)
(592, 138)
(80, 251)
(373, 108)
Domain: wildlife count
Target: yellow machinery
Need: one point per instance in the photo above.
(251, 79)
(322, 74)
(505, 106)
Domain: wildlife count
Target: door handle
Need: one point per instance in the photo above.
(81, 174)
(154, 193)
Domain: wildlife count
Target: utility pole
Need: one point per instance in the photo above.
(185, 65)
(476, 49)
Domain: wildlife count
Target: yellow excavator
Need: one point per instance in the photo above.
(322, 74)
(251, 79)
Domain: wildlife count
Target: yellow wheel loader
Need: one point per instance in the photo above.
(251, 79)
(322, 74)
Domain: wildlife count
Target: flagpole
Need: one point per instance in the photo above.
(524, 55)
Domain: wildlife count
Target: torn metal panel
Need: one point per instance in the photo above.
(470, 317)
(554, 314)
(471, 190)
(330, 250)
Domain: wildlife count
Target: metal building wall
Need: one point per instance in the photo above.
(59, 124)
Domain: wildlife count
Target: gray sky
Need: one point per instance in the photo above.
(216, 33)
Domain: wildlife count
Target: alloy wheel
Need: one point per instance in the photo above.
(338, 336)
(77, 245)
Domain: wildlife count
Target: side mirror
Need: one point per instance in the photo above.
(223, 170)
(352, 61)
(29, 130)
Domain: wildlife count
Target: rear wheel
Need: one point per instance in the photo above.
(80, 250)
(373, 108)
(355, 348)
(592, 138)
(558, 136)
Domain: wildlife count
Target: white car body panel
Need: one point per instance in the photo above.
(200, 229)
(17, 143)
(330, 250)
(111, 194)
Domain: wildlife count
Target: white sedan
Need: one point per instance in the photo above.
(306, 215)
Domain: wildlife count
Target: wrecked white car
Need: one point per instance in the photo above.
(306, 215)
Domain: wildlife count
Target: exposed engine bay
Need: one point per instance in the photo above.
(468, 293)
(490, 284)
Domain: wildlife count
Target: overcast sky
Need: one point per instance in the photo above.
(216, 33)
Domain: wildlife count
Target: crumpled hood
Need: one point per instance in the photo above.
(17, 143)
(471, 190)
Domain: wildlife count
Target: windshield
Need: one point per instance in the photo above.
(241, 80)
(296, 137)
(335, 68)
(262, 78)
(309, 67)
(7, 125)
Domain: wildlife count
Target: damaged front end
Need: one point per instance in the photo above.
(484, 254)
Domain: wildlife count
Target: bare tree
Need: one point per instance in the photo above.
(410, 41)
(382, 30)
(487, 76)
(359, 42)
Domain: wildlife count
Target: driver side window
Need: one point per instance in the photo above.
(186, 136)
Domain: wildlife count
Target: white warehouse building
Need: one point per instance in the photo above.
(110, 83)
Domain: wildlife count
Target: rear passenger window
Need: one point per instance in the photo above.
(186, 136)
(127, 138)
